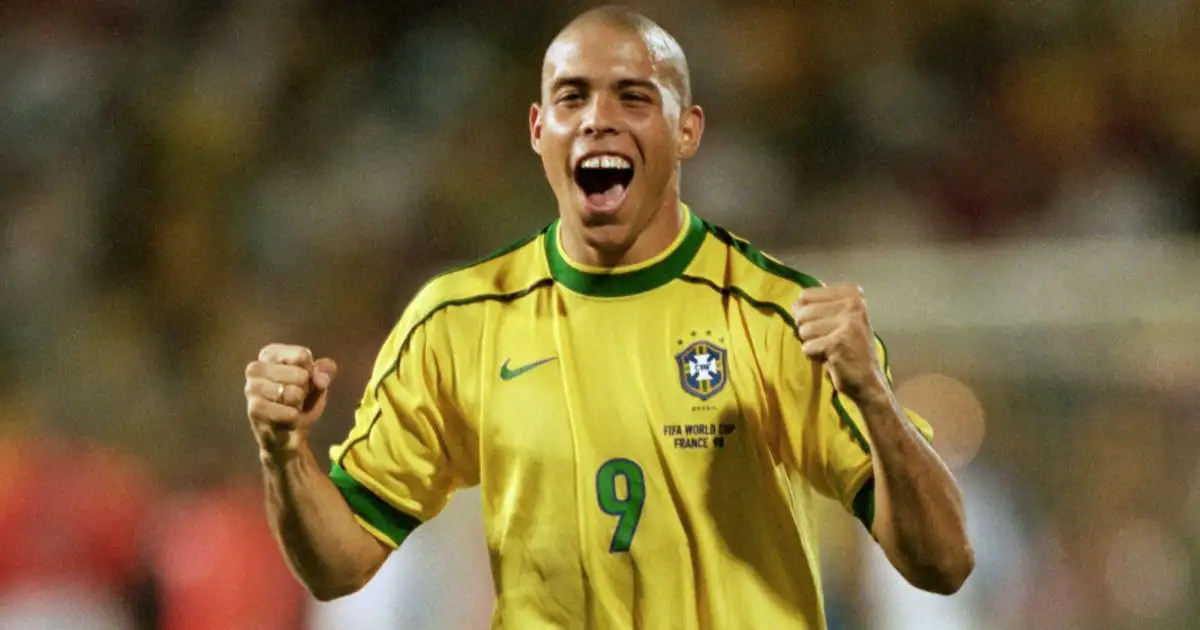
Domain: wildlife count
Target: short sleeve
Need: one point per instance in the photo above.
(823, 435)
(409, 448)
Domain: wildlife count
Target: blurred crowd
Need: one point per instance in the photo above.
(183, 181)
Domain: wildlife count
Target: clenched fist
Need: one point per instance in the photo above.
(834, 329)
(286, 391)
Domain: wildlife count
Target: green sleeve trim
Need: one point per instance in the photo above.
(864, 504)
(390, 522)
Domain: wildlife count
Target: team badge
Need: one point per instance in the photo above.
(702, 369)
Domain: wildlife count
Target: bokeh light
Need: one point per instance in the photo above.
(954, 412)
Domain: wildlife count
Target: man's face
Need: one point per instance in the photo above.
(609, 132)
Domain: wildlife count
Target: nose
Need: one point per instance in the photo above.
(599, 119)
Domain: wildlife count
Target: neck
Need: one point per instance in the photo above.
(639, 244)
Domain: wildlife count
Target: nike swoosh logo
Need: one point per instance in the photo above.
(509, 374)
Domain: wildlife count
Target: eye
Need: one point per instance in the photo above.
(569, 97)
(636, 97)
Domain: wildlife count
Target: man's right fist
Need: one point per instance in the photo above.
(286, 391)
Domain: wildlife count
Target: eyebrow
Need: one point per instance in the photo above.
(581, 82)
(637, 83)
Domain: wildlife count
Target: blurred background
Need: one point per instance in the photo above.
(1015, 184)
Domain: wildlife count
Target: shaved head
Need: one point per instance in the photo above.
(666, 53)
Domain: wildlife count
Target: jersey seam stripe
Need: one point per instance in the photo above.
(499, 297)
(461, 301)
(483, 297)
(759, 259)
(739, 292)
(855, 432)
(341, 460)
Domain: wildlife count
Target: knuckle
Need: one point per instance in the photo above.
(289, 415)
(296, 355)
(296, 376)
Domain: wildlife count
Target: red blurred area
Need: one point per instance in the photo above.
(70, 513)
(218, 565)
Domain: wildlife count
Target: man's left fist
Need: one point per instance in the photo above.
(833, 328)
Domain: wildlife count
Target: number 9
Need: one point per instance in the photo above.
(628, 508)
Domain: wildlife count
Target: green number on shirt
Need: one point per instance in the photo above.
(629, 508)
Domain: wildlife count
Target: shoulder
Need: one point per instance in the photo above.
(735, 266)
(505, 275)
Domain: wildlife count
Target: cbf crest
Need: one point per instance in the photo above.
(703, 369)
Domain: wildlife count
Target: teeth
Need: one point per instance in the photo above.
(606, 161)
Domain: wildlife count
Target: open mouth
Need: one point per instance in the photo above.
(604, 180)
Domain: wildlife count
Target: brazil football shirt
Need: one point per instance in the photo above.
(648, 440)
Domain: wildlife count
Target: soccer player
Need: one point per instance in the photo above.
(648, 403)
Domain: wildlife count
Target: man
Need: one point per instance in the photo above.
(647, 418)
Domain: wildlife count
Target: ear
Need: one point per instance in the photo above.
(535, 128)
(691, 128)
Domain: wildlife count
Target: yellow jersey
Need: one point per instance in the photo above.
(647, 440)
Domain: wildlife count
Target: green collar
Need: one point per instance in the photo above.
(617, 283)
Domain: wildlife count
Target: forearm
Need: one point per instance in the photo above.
(919, 517)
(316, 530)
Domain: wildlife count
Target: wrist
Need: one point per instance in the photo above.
(875, 394)
(282, 450)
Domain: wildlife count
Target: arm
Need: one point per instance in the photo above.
(919, 519)
(325, 547)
